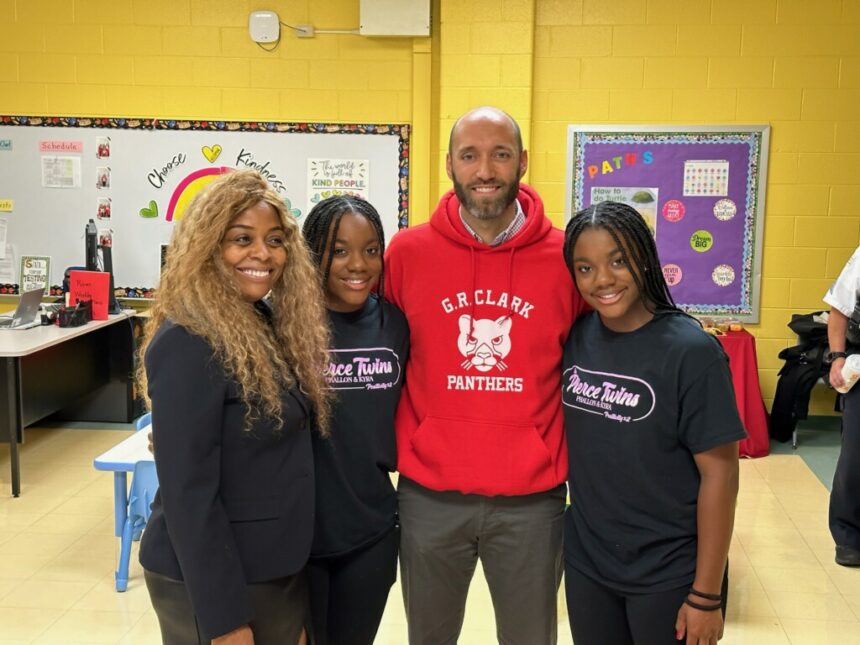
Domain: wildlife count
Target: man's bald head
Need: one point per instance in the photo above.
(486, 113)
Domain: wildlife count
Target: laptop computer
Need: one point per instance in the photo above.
(26, 314)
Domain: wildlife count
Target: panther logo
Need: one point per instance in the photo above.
(484, 342)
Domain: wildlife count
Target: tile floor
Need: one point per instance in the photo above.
(59, 553)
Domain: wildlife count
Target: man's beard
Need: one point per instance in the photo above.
(486, 209)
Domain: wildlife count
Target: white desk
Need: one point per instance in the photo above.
(22, 342)
(47, 369)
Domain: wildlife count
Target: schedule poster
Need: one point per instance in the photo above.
(702, 191)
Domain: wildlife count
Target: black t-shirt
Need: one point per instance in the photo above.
(356, 502)
(637, 407)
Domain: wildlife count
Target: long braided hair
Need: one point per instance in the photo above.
(637, 246)
(321, 227)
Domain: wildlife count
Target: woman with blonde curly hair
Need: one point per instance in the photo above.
(233, 382)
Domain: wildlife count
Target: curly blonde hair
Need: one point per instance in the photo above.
(197, 291)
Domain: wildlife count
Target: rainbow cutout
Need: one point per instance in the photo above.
(188, 189)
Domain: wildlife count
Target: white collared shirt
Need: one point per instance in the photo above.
(513, 228)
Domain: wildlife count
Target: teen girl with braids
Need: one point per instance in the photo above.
(354, 556)
(652, 431)
(234, 383)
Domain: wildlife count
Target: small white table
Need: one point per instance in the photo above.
(121, 460)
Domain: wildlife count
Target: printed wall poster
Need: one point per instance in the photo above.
(702, 178)
(707, 212)
(105, 237)
(103, 210)
(330, 177)
(643, 200)
(102, 177)
(35, 272)
(61, 172)
(102, 147)
(7, 269)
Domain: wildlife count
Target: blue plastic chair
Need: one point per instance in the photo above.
(144, 483)
(140, 423)
(143, 421)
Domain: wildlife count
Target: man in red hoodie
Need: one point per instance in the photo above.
(480, 442)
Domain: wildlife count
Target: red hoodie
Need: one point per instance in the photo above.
(480, 410)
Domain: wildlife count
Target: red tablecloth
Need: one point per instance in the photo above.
(740, 346)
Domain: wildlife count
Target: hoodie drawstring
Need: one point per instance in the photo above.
(474, 286)
(510, 313)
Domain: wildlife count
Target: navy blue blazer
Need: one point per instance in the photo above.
(233, 507)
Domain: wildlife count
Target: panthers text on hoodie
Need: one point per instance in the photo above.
(481, 409)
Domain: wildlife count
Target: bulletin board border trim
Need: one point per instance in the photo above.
(756, 136)
(401, 130)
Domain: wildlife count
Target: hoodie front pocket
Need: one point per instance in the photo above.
(472, 455)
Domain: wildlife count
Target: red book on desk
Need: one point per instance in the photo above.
(90, 285)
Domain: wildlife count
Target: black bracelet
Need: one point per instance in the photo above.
(707, 596)
(696, 605)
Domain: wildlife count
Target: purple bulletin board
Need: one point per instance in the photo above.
(700, 188)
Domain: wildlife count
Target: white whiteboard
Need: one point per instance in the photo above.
(154, 167)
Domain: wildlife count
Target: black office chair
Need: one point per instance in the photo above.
(66, 278)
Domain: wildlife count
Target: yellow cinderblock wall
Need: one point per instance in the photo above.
(194, 59)
(790, 63)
